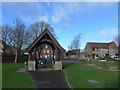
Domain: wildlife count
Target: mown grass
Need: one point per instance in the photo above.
(110, 63)
(78, 75)
(13, 79)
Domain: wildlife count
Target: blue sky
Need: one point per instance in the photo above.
(96, 21)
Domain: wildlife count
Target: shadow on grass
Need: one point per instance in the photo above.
(66, 65)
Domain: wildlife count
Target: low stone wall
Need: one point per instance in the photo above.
(57, 65)
(31, 65)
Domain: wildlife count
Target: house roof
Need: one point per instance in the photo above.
(41, 36)
(99, 45)
(74, 50)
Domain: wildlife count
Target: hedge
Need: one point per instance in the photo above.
(10, 58)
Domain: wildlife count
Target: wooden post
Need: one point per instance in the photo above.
(34, 54)
(60, 56)
(53, 56)
(29, 56)
(56, 57)
(39, 52)
(36, 64)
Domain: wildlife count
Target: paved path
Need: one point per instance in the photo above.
(71, 61)
(49, 79)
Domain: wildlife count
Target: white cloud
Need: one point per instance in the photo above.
(48, 3)
(26, 18)
(107, 34)
(42, 18)
(59, 0)
(58, 31)
(66, 25)
(62, 11)
(24, 9)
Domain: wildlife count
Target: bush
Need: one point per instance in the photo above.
(10, 58)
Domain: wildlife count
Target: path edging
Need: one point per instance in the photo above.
(67, 79)
(32, 79)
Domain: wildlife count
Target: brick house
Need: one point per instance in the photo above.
(74, 52)
(6, 49)
(47, 52)
(95, 49)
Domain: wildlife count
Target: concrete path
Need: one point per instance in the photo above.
(49, 79)
(71, 61)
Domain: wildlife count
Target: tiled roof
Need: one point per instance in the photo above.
(99, 45)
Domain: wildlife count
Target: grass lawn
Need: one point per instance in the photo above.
(13, 79)
(78, 75)
(110, 63)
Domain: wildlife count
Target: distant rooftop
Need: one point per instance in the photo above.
(99, 45)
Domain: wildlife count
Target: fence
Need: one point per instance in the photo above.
(10, 58)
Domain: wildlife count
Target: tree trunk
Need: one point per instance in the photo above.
(16, 57)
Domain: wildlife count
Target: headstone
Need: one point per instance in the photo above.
(57, 65)
(31, 65)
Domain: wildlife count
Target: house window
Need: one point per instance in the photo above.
(46, 46)
(40, 56)
(47, 51)
(93, 49)
(48, 55)
(97, 55)
(96, 49)
(44, 51)
(106, 49)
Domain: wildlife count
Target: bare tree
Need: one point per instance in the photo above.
(18, 34)
(7, 33)
(75, 44)
(38, 27)
(71, 46)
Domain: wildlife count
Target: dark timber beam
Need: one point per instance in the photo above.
(29, 56)
(39, 52)
(56, 56)
(34, 56)
(53, 56)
